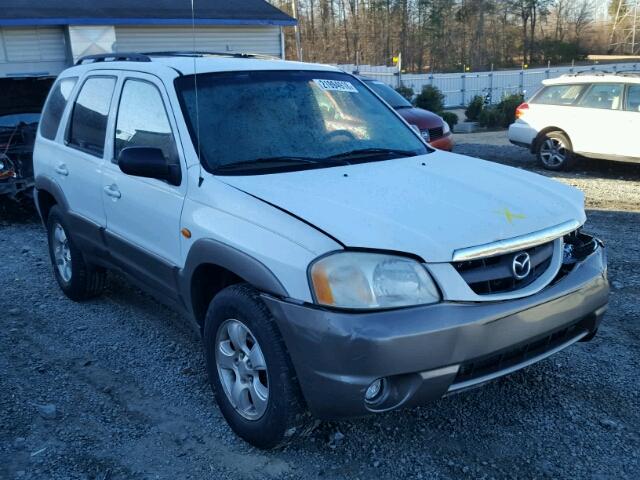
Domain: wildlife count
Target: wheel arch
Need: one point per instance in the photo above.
(212, 266)
(47, 194)
(535, 146)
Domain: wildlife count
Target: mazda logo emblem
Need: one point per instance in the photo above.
(521, 265)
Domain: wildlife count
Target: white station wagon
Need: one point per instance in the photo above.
(573, 116)
(335, 264)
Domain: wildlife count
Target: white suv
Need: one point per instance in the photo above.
(594, 116)
(335, 264)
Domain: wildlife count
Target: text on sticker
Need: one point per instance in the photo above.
(335, 85)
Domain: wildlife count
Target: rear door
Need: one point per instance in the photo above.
(554, 106)
(630, 143)
(597, 125)
(79, 169)
(143, 214)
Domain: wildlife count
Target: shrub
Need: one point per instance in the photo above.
(491, 117)
(508, 107)
(406, 92)
(501, 115)
(451, 118)
(474, 108)
(431, 98)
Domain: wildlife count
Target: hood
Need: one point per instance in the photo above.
(23, 95)
(429, 210)
(422, 118)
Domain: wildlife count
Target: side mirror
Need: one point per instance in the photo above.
(150, 163)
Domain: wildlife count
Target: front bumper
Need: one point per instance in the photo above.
(430, 351)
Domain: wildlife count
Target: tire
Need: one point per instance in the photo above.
(76, 278)
(555, 151)
(262, 423)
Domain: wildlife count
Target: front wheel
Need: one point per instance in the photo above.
(250, 371)
(555, 152)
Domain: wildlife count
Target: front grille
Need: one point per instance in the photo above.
(435, 133)
(499, 361)
(494, 274)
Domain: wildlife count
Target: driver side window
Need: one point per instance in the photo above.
(142, 120)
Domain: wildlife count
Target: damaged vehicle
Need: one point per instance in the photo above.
(334, 263)
(20, 106)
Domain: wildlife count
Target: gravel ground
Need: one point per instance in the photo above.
(116, 387)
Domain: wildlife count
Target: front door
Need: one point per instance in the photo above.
(143, 214)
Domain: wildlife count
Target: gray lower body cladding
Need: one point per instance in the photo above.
(428, 352)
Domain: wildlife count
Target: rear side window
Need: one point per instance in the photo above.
(605, 96)
(633, 99)
(559, 94)
(142, 120)
(55, 106)
(88, 125)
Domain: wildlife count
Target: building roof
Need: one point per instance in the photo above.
(141, 12)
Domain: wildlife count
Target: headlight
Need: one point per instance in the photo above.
(445, 127)
(371, 280)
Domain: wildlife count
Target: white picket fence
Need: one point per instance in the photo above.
(460, 88)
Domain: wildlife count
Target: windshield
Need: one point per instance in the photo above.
(388, 94)
(259, 121)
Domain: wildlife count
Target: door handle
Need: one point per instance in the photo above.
(62, 170)
(112, 191)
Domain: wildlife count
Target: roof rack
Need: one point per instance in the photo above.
(597, 73)
(628, 73)
(146, 56)
(201, 53)
(205, 53)
(113, 57)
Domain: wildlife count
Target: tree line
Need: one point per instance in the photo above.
(444, 35)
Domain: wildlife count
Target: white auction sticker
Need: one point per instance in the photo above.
(335, 85)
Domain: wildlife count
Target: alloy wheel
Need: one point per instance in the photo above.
(242, 369)
(62, 252)
(553, 152)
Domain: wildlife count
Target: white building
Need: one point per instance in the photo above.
(41, 37)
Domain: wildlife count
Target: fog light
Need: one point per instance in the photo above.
(374, 390)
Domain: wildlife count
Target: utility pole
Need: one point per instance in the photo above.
(296, 16)
(625, 35)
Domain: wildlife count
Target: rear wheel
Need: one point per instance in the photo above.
(555, 151)
(78, 279)
(250, 371)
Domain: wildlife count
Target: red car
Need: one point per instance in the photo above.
(432, 127)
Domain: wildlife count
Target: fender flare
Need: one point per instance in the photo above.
(49, 185)
(214, 252)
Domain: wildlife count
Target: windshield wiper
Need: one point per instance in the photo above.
(282, 162)
(370, 153)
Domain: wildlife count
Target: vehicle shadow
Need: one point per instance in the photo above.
(17, 212)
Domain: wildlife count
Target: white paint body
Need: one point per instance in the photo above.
(593, 132)
(287, 220)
